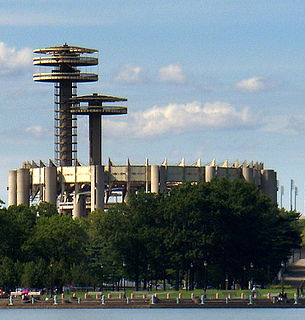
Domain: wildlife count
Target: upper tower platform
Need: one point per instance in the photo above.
(65, 58)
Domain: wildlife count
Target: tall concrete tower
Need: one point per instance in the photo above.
(65, 74)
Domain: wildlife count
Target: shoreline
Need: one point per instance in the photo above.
(146, 304)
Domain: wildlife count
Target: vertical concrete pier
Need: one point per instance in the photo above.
(210, 173)
(154, 177)
(97, 187)
(12, 187)
(95, 139)
(23, 186)
(269, 184)
(248, 174)
(50, 184)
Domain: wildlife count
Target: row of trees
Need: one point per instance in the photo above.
(200, 233)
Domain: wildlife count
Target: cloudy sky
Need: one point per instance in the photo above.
(204, 79)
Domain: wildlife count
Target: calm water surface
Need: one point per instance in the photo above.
(156, 314)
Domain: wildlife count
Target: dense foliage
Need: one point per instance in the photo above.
(195, 234)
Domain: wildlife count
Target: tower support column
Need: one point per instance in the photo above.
(248, 174)
(269, 184)
(23, 186)
(79, 203)
(154, 177)
(210, 173)
(95, 139)
(50, 184)
(97, 187)
(12, 187)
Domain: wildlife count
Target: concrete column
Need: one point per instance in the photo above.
(146, 175)
(210, 173)
(63, 187)
(269, 184)
(41, 193)
(154, 179)
(128, 191)
(95, 139)
(248, 174)
(97, 187)
(92, 185)
(50, 176)
(76, 213)
(257, 177)
(100, 187)
(12, 187)
(79, 206)
(163, 178)
(23, 186)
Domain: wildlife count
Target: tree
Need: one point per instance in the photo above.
(229, 224)
(35, 274)
(123, 236)
(9, 275)
(16, 223)
(60, 241)
(45, 209)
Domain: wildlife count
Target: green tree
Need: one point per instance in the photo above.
(187, 220)
(122, 237)
(230, 225)
(35, 274)
(9, 274)
(252, 231)
(60, 241)
(16, 223)
(45, 209)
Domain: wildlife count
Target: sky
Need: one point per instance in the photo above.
(203, 78)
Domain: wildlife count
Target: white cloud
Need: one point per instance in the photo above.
(37, 131)
(255, 84)
(179, 118)
(284, 124)
(129, 74)
(172, 73)
(12, 60)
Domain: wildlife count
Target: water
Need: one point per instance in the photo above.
(152, 314)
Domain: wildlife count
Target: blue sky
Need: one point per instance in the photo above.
(209, 79)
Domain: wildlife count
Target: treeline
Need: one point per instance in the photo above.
(207, 234)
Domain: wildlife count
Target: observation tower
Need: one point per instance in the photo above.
(92, 105)
(65, 61)
(95, 109)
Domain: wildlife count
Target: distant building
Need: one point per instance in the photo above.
(80, 189)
